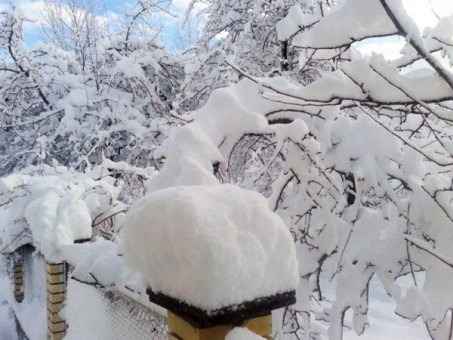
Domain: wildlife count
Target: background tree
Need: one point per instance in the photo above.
(244, 32)
(24, 96)
(60, 103)
(76, 26)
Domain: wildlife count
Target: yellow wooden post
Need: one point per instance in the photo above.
(56, 291)
(179, 329)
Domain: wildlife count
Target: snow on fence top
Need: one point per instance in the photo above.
(210, 246)
(52, 210)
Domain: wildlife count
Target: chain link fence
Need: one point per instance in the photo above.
(94, 313)
(91, 312)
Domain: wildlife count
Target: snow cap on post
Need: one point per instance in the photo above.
(210, 248)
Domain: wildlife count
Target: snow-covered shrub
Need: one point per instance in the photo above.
(53, 106)
(51, 208)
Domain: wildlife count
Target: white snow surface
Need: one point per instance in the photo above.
(240, 333)
(210, 246)
(293, 22)
(359, 19)
(52, 210)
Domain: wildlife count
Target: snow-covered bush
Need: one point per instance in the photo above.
(54, 105)
(51, 208)
(398, 162)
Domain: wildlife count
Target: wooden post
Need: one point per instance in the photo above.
(179, 329)
(56, 291)
(19, 276)
(187, 322)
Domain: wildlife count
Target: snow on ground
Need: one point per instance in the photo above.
(86, 315)
(384, 324)
(7, 324)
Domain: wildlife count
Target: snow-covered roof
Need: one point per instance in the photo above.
(210, 246)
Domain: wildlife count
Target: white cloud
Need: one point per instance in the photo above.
(30, 9)
(389, 47)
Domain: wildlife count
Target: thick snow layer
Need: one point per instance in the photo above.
(370, 80)
(229, 113)
(96, 262)
(52, 211)
(384, 324)
(211, 246)
(443, 30)
(7, 322)
(240, 333)
(84, 304)
(193, 148)
(293, 22)
(360, 19)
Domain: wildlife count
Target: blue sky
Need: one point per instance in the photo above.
(419, 10)
(32, 9)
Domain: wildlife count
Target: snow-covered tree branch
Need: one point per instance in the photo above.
(346, 156)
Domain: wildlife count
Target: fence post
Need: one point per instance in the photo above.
(186, 322)
(56, 291)
(178, 328)
(216, 254)
(19, 275)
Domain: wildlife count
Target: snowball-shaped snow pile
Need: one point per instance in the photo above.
(210, 246)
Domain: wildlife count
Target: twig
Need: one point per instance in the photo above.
(422, 246)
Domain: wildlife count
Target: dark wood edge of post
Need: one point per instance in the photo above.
(231, 315)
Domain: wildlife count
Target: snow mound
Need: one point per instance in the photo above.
(240, 333)
(210, 246)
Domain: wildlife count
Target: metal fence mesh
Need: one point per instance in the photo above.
(98, 314)
(91, 313)
(132, 320)
(34, 277)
